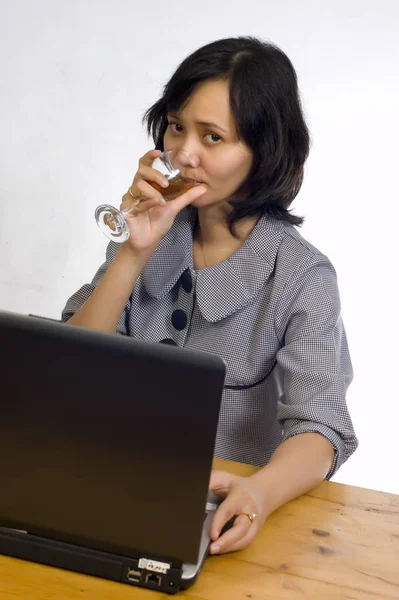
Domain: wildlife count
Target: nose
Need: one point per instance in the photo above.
(188, 158)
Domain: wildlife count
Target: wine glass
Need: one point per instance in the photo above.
(170, 163)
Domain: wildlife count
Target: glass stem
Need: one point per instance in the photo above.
(133, 205)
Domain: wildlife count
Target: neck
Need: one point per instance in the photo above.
(214, 231)
(214, 243)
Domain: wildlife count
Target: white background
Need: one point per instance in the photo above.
(76, 78)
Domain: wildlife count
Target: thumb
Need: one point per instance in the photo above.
(187, 198)
(220, 482)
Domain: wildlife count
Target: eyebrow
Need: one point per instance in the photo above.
(212, 126)
(203, 123)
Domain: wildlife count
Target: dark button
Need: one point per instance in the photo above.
(168, 342)
(179, 319)
(186, 281)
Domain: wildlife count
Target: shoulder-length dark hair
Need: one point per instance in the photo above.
(265, 102)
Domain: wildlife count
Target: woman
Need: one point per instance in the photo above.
(223, 269)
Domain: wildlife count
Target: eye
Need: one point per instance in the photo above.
(175, 127)
(214, 138)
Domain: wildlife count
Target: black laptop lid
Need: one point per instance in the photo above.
(105, 441)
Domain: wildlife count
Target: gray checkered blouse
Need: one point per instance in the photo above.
(272, 312)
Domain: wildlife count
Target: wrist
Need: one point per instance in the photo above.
(129, 254)
(269, 486)
(127, 266)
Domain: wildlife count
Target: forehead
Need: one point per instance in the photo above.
(210, 102)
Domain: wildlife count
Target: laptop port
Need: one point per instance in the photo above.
(134, 575)
(153, 578)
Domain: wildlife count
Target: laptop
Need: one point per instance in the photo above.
(106, 448)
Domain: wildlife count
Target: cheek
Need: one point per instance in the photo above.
(230, 170)
(167, 142)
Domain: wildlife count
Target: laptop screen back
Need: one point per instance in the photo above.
(105, 441)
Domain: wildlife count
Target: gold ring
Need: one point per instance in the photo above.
(251, 516)
(131, 193)
(136, 199)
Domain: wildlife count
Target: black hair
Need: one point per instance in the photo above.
(266, 105)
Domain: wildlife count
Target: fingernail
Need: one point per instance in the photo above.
(165, 183)
(215, 548)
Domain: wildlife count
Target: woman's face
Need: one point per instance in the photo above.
(205, 128)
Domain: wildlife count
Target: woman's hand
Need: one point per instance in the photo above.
(241, 495)
(151, 216)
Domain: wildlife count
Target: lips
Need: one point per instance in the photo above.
(190, 180)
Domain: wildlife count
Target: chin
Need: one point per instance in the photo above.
(197, 203)
(202, 201)
(206, 201)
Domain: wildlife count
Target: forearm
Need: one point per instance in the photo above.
(298, 465)
(103, 309)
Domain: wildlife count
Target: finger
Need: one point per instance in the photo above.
(136, 200)
(145, 191)
(150, 174)
(146, 205)
(226, 510)
(240, 544)
(233, 537)
(148, 158)
(187, 198)
(128, 203)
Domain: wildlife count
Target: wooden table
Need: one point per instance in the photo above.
(335, 542)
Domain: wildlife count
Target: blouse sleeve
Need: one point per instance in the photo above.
(315, 359)
(80, 297)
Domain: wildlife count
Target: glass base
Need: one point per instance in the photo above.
(112, 223)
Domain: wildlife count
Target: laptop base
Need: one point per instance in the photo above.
(34, 548)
